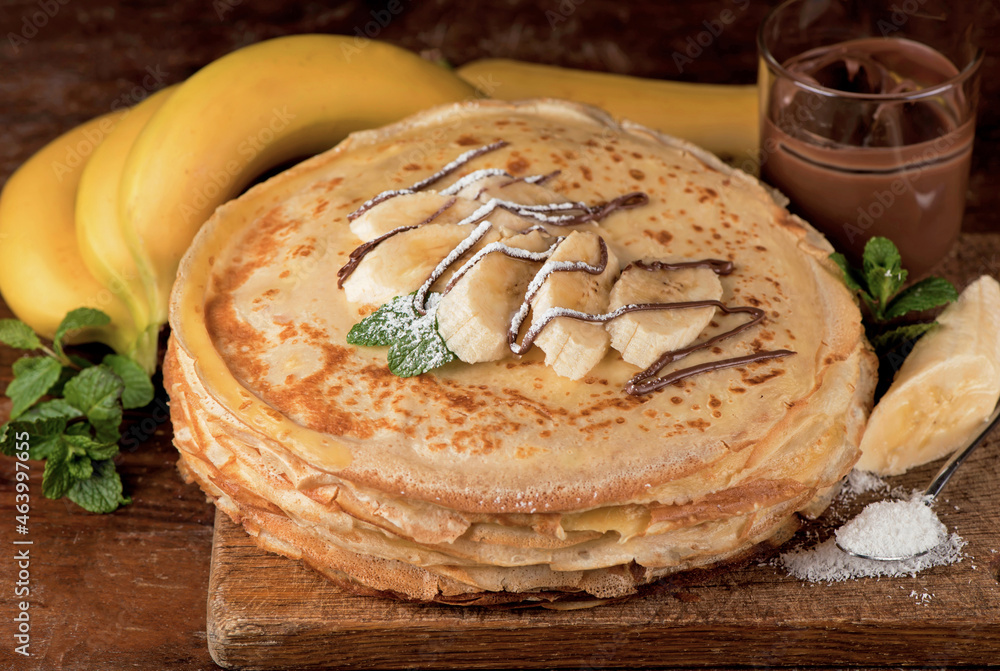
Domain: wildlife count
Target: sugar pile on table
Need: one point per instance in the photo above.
(884, 528)
(892, 529)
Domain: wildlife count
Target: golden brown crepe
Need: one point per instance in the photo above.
(503, 481)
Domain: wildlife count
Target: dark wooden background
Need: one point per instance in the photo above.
(128, 590)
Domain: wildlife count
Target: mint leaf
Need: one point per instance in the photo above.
(40, 434)
(386, 325)
(852, 279)
(15, 333)
(102, 491)
(75, 320)
(57, 477)
(79, 466)
(902, 335)
(33, 377)
(55, 408)
(96, 450)
(924, 295)
(883, 272)
(40, 437)
(419, 350)
(43, 446)
(96, 392)
(415, 344)
(138, 389)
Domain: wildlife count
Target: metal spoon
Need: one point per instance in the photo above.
(937, 484)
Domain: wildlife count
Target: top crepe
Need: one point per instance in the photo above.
(259, 326)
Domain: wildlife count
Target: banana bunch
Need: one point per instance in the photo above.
(108, 230)
(720, 118)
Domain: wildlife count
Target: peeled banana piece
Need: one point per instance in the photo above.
(402, 263)
(474, 316)
(642, 337)
(42, 274)
(409, 209)
(944, 390)
(720, 118)
(572, 347)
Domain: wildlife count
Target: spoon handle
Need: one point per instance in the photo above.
(941, 479)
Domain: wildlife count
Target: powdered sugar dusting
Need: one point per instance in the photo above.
(891, 524)
(828, 563)
(892, 529)
(472, 178)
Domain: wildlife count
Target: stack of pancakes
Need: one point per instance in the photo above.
(501, 481)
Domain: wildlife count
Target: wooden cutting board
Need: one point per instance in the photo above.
(269, 612)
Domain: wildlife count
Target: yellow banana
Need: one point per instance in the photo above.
(98, 227)
(42, 275)
(249, 111)
(720, 118)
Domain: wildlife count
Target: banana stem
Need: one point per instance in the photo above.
(145, 348)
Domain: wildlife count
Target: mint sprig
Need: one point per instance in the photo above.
(415, 344)
(879, 284)
(77, 435)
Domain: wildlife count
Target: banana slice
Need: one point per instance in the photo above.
(474, 316)
(409, 209)
(642, 337)
(944, 390)
(402, 263)
(573, 347)
(505, 187)
(426, 207)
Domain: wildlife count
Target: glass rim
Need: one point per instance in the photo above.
(964, 74)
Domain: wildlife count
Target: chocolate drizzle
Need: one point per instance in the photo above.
(362, 250)
(427, 181)
(571, 213)
(442, 267)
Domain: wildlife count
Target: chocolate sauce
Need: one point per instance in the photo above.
(717, 266)
(442, 267)
(361, 251)
(637, 386)
(856, 167)
(462, 159)
(500, 248)
(642, 383)
(646, 381)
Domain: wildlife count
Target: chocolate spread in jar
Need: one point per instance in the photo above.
(856, 168)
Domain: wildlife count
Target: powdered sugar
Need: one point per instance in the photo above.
(893, 530)
(886, 527)
(828, 563)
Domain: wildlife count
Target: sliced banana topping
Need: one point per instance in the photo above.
(490, 250)
(572, 347)
(401, 262)
(408, 209)
(642, 337)
(485, 293)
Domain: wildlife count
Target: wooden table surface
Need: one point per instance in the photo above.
(128, 590)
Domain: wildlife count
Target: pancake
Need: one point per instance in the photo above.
(567, 473)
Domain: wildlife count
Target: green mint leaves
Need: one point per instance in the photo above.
(77, 435)
(879, 284)
(414, 342)
(881, 277)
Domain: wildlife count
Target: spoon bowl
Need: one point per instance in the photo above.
(885, 524)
